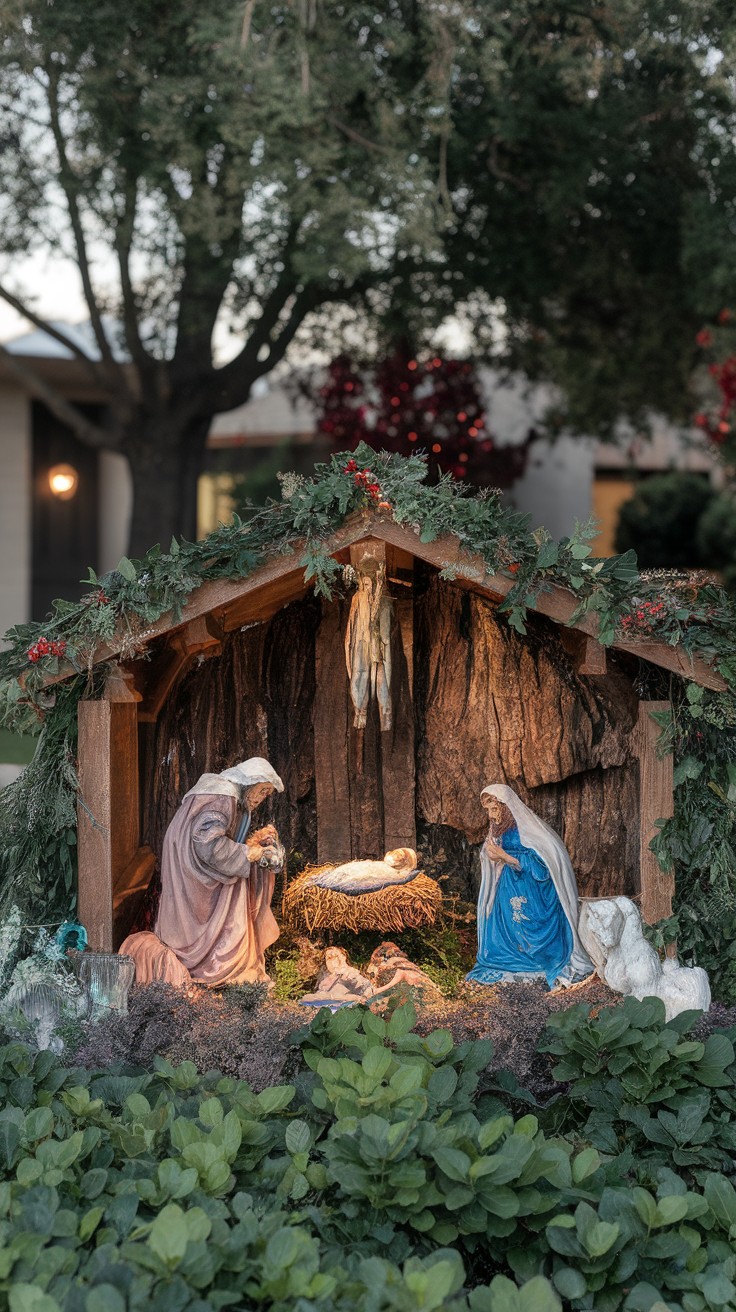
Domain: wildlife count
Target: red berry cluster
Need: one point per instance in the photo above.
(45, 647)
(368, 483)
(644, 619)
(717, 426)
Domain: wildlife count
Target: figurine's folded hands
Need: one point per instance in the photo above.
(496, 853)
(267, 844)
(266, 837)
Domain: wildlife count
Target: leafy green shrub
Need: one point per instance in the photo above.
(660, 521)
(163, 1189)
(699, 841)
(640, 1086)
(716, 536)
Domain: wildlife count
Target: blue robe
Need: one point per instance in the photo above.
(526, 931)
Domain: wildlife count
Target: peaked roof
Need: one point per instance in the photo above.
(231, 603)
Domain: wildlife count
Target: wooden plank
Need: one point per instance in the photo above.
(368, 549)
(166, 669)
(680, 662)
(331, 721)
(588, 656)
(557, 604)
(261, 606)
(108, 815)
(367, 747)
(656, 802)
(365, 783)
(201, 640)
(202, 636)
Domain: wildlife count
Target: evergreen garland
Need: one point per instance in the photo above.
(38, 811)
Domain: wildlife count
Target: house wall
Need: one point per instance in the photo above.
(15, 506)
(116, 504)
(556, 487)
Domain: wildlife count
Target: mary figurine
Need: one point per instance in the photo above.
(528, 900)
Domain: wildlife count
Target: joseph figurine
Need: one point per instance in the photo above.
(217, 877)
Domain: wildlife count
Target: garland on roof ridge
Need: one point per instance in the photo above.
(124, 604)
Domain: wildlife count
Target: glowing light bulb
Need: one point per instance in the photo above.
(63, 481)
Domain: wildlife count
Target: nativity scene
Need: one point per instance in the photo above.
(278, 763)
(369, 723)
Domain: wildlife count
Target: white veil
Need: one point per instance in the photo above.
(231, 782)
(548, 845)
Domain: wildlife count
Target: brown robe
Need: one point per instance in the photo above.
(215, 908)
(154, 961)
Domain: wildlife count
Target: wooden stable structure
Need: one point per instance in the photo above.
(256, 666)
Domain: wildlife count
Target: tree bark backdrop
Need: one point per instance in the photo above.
(495, 707)
(485, 705)
(255, 699)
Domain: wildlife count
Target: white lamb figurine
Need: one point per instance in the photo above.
(611, 933)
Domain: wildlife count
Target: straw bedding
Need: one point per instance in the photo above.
(396, 907)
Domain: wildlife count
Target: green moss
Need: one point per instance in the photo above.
(289, 984)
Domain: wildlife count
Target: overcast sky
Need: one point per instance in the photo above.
(54, 286)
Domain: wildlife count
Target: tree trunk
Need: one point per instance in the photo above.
(165, 463)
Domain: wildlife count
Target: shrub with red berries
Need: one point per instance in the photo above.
(642, 622)
(407, 404)
(719, 424)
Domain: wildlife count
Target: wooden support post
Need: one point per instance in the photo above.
(397, 746)
(656, 802)
(331, 705)
(108, 808)
(588, 656)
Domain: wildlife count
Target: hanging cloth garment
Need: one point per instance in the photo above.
(368, 648)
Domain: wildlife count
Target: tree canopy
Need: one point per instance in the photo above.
(562, 176)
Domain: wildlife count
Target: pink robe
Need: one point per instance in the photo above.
(215, 908)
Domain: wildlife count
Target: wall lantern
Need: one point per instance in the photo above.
(63, 481)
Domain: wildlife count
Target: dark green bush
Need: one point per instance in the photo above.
(380, 1180)
(660, 522)
(717, 536)
(642, 1087)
